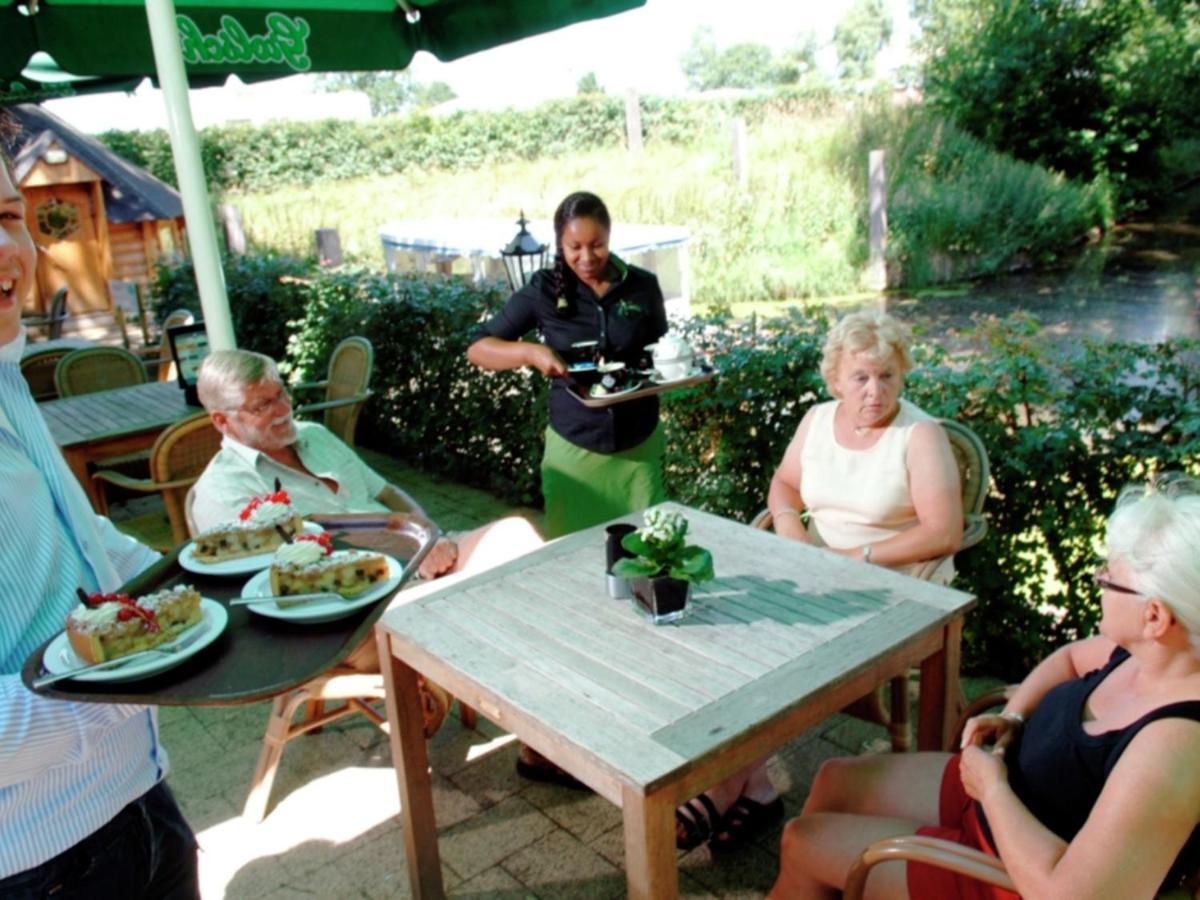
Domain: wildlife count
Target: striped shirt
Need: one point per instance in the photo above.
(65, 768)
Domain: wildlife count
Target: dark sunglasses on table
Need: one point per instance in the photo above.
(1100, 576)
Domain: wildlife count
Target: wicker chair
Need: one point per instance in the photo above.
(973, 475)
(52, 321)
(159, 357)
(346, 387)
(177, 459)
(97, 369)
(38, 368)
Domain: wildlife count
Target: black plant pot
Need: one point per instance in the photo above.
(661, 599)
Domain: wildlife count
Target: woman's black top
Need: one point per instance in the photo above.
(626, 319)
(1058, 770)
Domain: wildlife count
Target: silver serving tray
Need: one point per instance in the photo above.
(649, 389)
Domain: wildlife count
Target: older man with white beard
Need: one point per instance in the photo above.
(249, 405)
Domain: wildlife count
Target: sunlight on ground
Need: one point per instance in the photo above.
(479, 751)
(333, 809)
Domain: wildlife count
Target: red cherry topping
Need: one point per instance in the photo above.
(323, 539)
(256, 502)
(129, 608)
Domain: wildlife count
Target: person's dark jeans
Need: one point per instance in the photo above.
(146, 851)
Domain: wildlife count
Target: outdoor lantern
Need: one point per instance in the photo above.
(523, 256)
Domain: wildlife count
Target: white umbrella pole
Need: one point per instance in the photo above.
(185, 148)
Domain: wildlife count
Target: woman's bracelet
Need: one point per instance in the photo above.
(786, 511)
(1015, 717)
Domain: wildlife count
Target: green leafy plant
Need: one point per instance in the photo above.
(662, 549)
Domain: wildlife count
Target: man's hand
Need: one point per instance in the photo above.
(441, 559)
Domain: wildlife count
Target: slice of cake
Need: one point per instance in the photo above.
(309, 564)
(263, 525)
(106, 626)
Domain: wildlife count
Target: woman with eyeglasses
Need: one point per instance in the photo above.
(1085, 785)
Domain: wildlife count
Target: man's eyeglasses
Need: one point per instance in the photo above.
(1100, 576)
(262, 407)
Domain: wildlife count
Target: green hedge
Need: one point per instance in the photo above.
(249, 158)
(1064, 431)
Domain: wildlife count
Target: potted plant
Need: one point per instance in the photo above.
(664, 566)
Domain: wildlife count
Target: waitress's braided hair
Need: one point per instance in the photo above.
(579, 205)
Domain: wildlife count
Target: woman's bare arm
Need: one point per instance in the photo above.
(783, 499)
(498, 354)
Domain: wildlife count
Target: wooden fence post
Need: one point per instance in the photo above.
(741, 164)
(231, 221)
(633, 121)
(329, 247)
(877, 222)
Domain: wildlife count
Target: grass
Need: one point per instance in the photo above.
(795, 230)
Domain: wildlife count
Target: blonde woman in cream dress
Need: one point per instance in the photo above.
(874, 473)
(878, 481)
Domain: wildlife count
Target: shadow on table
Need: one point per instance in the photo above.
(750, 598)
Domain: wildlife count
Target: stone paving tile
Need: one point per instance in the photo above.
(235, 726)
(493, 884)
(203, 812)
(492, 836)
(454, 747)
(559, 866)
(747, 873)
(491, 779)
(582, 813)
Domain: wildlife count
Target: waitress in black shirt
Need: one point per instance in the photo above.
(599, 463)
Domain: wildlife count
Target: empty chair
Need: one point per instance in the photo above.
(52, 321)
(973, 474)
(160, 357)
(38, 368)
(177, 459)
(97, 369)
(346, 387)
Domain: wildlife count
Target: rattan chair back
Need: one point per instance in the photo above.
(38, 368)
(97, 369)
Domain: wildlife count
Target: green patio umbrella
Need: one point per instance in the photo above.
(55, 48)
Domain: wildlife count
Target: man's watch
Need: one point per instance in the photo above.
(866, 553)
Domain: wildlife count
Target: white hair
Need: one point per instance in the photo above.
(225, 375)
(1155, 532)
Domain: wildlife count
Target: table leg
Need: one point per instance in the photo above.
(409, 756)
(938, 708)
(651, 867)
(77, 460)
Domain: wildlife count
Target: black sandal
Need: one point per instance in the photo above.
(744, 819)
(698, 824)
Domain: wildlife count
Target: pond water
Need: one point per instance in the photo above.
(1141, 283)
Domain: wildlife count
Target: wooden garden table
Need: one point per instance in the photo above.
(648, 716)
(92, 427)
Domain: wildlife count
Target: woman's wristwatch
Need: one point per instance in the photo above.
(1015, 717)
(866, 553)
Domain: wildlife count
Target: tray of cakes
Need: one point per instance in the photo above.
(116, 637)
(617, 383)
(248, 543)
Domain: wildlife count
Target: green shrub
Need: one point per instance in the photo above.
(266, 296)
(1064, 430)
(958, 209)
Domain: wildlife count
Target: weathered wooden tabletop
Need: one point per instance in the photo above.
(784, 636)
(103, 414)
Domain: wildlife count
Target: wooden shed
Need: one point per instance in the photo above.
(95, 217)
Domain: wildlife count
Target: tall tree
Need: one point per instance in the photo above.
(588, 84)
(744, 65)
(389, 92)
(859, 36)
(1088, 87)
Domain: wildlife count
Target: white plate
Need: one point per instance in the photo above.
(621, 393)
(59, 656)
(320, 610)
(241, 566)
